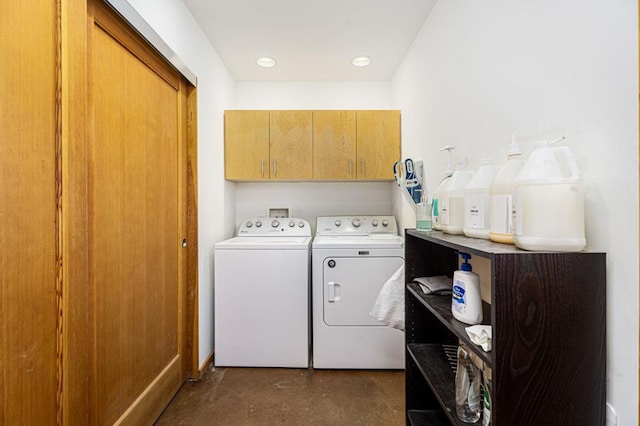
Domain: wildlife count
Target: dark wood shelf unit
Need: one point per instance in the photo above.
(547, 314)
(427, 418)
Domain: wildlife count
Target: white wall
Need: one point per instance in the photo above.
(313, 95)
(478, 71)
(173, 22)
(309, 200)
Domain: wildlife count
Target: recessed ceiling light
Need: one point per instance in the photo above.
(266, 62)
(361, 61)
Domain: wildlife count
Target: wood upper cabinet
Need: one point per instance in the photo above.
(290, 145)
(311, 145)
(334, 145)
(378, 143)
(246, 146)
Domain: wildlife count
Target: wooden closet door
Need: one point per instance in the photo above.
(28, 268)
(137, 220)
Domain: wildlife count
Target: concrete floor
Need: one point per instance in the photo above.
(280, 396)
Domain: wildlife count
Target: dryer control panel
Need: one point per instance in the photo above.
(270, 226)
(356, 225)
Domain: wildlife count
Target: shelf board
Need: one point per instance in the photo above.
(439, 375)
(427, 418)
(479, 247)
(440, 306)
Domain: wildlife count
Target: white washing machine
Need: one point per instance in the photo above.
(262, 295)
(352, 258)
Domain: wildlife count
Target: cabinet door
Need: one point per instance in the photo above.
(334, 144)
(290, 145)
(246, 145)
(378, 144)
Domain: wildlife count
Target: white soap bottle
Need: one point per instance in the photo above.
(466, 303)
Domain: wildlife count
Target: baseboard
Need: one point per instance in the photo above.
(208, 361)
(154, 399)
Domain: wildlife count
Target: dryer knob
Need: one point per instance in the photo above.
(338, 223)
(292, 224)
(385, 222)
(300, 224)
(248, 224)
(275, 224)
(374, 222)
(356, 223)
(258, 224)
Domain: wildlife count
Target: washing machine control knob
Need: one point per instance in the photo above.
(258, 224)
(291, 224)
(275, 224)
(300, 224)
(385, 222)
(338, 223)
(356, 223)
(249, 224)
(374, 222)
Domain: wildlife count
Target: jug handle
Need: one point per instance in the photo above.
(571, 163)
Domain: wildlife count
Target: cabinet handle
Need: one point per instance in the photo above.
(275, 168)
(262, 167)
(350, 167)
(362, 166)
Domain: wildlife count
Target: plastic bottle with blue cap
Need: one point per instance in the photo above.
(466, 302)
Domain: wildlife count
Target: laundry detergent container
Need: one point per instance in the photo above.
(549, 202)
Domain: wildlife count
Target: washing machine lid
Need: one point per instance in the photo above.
(371, 241)
(265, 243)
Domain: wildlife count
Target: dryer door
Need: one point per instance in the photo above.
(351, 286)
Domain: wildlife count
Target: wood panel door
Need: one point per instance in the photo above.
(28, 235)
(378, 134)
(136, 224)
(334, 145)
(291, 145)
(246, 145)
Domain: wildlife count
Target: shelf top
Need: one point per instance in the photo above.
(479, 247)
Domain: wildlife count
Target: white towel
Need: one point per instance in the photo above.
(480, 335)
(389, 306)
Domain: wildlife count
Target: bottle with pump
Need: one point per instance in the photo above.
(501, 227)
(476, 202)
(466, 302)
(452, 200)
(435, 202)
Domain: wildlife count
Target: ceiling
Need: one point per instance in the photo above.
(311, 40)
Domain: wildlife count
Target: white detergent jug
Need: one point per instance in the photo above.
(501, 197)
(549, 202)
(476, 201)
(452, 201)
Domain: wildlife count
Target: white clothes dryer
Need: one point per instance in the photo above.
(262, 295)
(352, 258)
